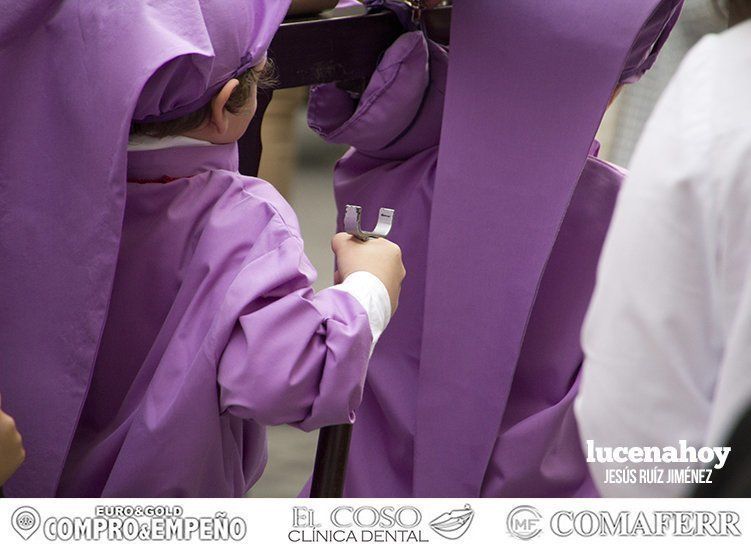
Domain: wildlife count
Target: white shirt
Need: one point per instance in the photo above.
(372, 295)
(668, 334)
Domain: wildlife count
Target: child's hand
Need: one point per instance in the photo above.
(12, 453)
(378, 256)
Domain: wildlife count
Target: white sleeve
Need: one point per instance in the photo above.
(651, 355)
(372, 295)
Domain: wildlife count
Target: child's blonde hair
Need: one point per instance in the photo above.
(263, 79)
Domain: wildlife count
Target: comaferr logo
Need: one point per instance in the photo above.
(663, 523)
(526, 522)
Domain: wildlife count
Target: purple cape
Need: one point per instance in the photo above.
(393, 163)
(533, 447)
(71, 84)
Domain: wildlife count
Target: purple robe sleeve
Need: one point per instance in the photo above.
(293, 356)
(399, 113)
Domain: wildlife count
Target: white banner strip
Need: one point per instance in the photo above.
(285, 521)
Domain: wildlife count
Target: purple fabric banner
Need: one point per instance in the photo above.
(529, 81)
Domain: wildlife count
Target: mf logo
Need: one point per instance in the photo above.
(524, 522)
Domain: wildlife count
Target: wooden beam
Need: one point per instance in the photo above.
(332, 48)
(339, 46)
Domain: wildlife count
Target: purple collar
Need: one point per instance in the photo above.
(181, 162)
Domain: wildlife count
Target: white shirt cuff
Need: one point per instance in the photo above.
(372, 295)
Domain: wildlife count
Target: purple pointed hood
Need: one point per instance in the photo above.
(71, 84)
(227, 39)
(400, 112)
(650, 40)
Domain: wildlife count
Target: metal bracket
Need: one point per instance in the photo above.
(417, 8)
(353, 226)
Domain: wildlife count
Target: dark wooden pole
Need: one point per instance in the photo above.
(250, 145)
(330, 469)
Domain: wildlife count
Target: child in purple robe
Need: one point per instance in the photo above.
(213, 330)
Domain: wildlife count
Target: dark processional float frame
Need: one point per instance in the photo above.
(343, 47)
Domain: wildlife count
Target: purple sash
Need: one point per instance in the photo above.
(529, 81)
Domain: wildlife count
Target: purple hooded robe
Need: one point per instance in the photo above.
(211, 269)
(395, 133)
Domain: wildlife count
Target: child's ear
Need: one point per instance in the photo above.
(219, 115)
